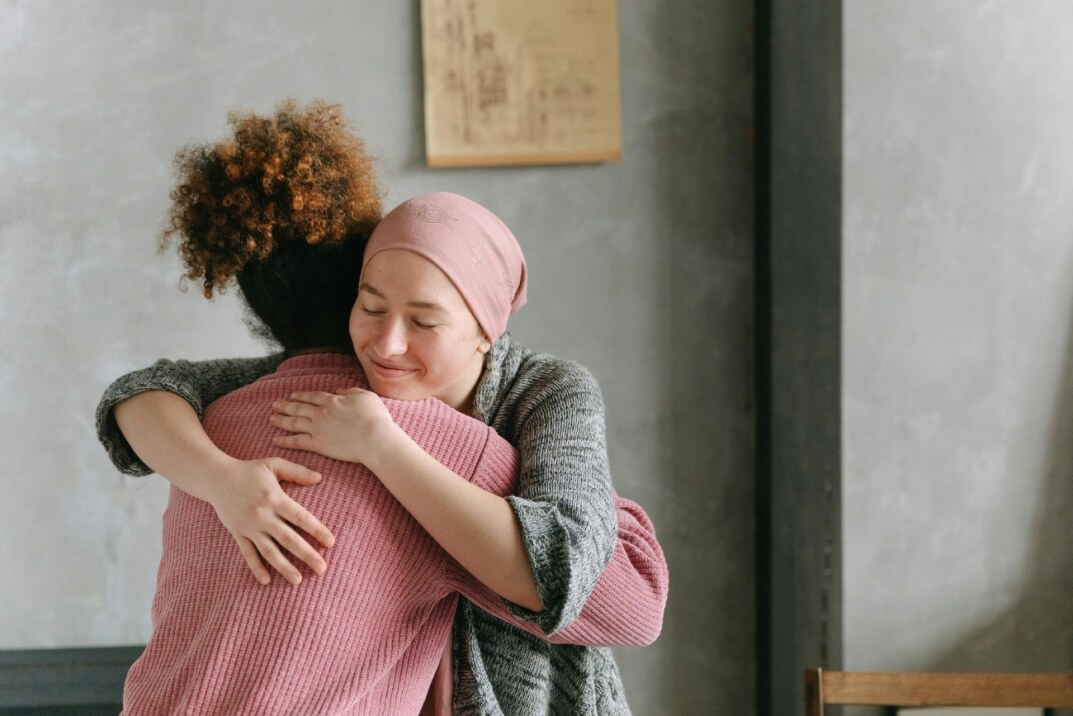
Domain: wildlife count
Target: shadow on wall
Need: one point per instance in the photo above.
(1036, 632)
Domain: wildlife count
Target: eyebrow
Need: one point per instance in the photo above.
(430, 305)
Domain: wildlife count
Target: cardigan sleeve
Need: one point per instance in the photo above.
(565, 503)
(626, 606)
(198, 383)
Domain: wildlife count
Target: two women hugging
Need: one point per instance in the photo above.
(435, 498)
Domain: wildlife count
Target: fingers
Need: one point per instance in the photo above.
(298, 441)
(292, 472)
(304, 520)
(291, 424)
(311, 397)
(270, 551)
(291, 541)
(297, 408)
(253, 560)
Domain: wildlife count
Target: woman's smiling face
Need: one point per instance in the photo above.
(413, 332)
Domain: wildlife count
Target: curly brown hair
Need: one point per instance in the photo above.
(297, 176)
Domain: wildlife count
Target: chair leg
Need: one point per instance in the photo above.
(813, 692)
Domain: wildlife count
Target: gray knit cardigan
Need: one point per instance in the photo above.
(553, 412)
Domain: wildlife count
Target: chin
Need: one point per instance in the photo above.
(394, 392)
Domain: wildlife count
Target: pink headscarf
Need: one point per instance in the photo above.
(466, 241)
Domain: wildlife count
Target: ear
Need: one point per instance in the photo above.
(485, 345)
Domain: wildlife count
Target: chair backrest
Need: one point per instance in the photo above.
(859, 688)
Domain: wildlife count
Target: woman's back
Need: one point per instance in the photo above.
(364, 637)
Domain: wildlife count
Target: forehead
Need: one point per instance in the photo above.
(403, 276)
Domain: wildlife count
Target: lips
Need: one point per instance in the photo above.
(388, 370)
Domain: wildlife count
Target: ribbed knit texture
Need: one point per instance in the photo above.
(364, 638)
(636, 576)
(552, 411)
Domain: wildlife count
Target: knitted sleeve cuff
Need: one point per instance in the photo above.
(564, 573)
(162, 375)
(198, 383)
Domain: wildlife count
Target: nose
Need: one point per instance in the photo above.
(391, 339)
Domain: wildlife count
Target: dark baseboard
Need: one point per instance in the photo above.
(78, 710)
(64, 681)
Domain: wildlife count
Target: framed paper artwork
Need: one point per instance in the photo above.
(521, 82)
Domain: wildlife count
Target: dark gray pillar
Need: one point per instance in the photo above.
(799, 244)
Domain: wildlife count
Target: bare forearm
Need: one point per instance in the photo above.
(167, 435)
(475, 527)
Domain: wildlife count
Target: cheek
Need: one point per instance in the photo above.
(425, 346)
(452, 354)
(359, 329)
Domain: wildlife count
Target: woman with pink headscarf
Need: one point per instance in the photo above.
(441, 275)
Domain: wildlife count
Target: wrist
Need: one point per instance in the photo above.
(383, 446)
(204, 478)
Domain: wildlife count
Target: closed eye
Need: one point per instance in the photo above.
(371, 312)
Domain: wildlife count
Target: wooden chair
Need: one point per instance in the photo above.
(851, 688)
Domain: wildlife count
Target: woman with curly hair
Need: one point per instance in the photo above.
(364, 636)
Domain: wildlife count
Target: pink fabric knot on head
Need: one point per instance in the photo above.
(466, 241)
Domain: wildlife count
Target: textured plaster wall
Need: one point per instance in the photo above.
(958, 361)
(640, 269)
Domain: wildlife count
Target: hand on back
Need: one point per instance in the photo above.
(351, 425)
(262, 517)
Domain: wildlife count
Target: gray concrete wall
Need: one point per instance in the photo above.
(958, 305)
(640, 269)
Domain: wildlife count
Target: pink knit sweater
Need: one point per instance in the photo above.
(365, 637)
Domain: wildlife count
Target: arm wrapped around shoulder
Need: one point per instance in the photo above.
(198, 383)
